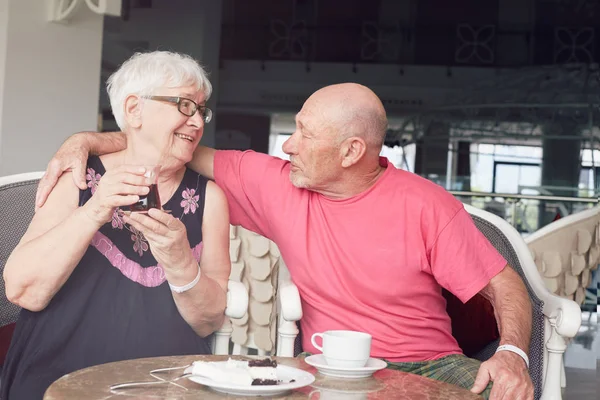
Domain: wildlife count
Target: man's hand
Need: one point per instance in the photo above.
(509, 374)
(72, 156)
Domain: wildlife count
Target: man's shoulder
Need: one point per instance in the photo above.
(422, 196)
(417, 186)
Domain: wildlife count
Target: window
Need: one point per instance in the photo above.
(485, 159)
(510, 177)
(587, 181)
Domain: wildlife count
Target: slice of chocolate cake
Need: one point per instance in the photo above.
(242, 373)
(263, 371)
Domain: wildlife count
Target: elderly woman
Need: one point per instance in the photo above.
(98, 284)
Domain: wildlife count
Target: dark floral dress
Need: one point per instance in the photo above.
(116, 305)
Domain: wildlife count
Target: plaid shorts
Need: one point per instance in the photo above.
(455, 369)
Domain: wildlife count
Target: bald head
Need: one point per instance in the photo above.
(336, 145)
(352, 110)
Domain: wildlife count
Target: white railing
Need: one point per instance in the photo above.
(586, 200)
(521, 209)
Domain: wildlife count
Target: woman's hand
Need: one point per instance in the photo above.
(168, 241)
(118, 187)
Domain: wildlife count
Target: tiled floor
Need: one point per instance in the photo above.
(582, 361)
(582, 384)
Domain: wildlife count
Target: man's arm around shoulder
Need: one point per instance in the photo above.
(203, 162)
(73, 155)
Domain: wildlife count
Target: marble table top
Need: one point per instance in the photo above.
(94, 383)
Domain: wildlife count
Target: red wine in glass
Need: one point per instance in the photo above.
(151, 200)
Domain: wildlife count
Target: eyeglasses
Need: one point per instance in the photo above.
(185, 106)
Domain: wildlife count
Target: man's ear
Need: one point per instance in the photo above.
(353, 150)
(133, 111)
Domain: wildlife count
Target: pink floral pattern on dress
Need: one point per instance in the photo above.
(189, 202)
(150, 276)
(140, 245)
(117, 220)
(93, 179)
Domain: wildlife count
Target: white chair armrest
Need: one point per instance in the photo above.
(290, 311)
(289, 298)
(566, 312)
(221, 338)
(237, 300)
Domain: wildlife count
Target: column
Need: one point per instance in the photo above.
(48, 81)
(463, 166)
(184, 26)
(432, 153)
(561, 164)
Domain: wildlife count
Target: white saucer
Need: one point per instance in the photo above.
(318, 361)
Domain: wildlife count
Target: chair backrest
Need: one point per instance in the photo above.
(17, 206)
(566, 252)
(255, 261)
(503, 237)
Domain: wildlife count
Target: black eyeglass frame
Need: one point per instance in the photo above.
(206, 112)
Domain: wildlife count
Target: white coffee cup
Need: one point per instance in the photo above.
(349, 349)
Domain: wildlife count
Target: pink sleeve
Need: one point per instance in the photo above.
(462, 259)
(255, 184)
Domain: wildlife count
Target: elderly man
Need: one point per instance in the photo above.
(369, 246)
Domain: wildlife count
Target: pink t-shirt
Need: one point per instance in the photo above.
(375, 262)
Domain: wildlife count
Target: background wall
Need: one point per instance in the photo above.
(3, 35)
(50, 82)
(53, 76)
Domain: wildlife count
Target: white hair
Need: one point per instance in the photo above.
(143, 73)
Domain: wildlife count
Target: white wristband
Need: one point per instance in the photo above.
(514, 349)
(185, 288)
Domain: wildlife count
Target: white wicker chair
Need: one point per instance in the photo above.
(555, 319)
(17, 199)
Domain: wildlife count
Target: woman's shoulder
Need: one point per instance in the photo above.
(214, 193)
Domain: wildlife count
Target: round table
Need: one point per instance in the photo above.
(94, 383)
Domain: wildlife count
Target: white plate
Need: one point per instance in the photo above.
(318, 361)
(284, 373)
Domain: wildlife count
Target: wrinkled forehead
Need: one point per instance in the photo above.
(313, 111)
(322, 112)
